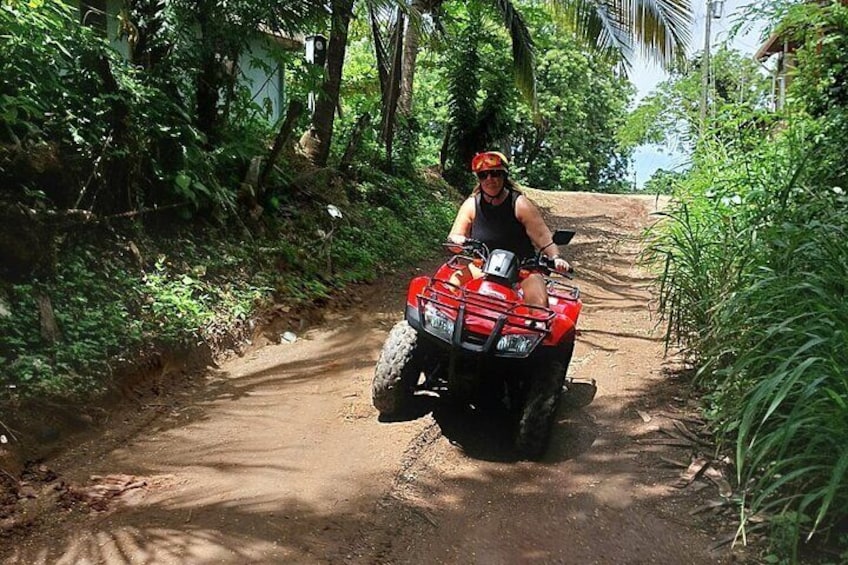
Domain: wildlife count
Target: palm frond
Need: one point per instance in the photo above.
(523, 50)
(385, 7)
(415, 12)
(295, 17)
(661, 29)
(603, 25)
(383, 23)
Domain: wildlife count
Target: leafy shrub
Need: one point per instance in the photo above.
(196, 282)
(99, 132)
(753, 285)
(386, 225)
(96, 319)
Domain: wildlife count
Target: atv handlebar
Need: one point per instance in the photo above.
(477, 248)
(546, 266)
(469, 246)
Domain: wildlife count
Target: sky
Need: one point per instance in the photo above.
(646, 75)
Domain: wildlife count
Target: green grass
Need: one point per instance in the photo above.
(195, 281)
(751, 272)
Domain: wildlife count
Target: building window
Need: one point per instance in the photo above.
(93, 15)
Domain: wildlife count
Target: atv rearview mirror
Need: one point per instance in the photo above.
(562, 237)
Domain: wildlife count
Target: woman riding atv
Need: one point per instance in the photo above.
(501, 217)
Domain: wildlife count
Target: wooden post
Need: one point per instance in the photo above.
(355, 137)
(292, 114)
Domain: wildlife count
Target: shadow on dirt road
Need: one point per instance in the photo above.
(279, 456)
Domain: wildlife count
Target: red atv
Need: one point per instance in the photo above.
(480, 341)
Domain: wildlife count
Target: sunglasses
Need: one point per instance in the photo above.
(482, 175)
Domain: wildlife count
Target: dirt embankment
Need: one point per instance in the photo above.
(278, 456)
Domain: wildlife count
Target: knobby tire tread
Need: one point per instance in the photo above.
(397, 370)
(540, 405)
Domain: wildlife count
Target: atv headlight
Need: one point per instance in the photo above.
(438, 323)
(517, 344)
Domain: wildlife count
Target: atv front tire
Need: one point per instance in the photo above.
(540, 404)
(397, 371)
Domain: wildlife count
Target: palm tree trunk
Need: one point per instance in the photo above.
(316, 141)
(410, 57)
(390, 96)
(410, 54)
(207, 80)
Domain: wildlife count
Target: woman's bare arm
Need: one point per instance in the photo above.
(462, 224)
(538, 231)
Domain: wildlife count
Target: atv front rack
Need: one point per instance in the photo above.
(479, 323)
(562, 289)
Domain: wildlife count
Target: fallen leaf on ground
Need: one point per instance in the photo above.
(716, 476)
(692, 472)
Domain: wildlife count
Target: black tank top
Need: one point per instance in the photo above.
(498, 228)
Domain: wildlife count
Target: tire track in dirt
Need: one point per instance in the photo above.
(278, 457)
(598, 496)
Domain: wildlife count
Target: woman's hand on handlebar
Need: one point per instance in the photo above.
(455, 242)
(562, 266)
(460, 244)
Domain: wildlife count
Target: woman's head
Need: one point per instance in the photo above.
(489, 161)
(491, 169)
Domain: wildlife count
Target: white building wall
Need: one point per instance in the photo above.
(260, 70)
(263, 74)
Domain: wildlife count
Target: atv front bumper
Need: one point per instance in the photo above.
(455, 334)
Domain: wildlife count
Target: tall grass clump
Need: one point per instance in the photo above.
(694, 248)
(782, 392)
(752, 285)
(752, 267)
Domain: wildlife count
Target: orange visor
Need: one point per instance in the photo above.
(489, 161)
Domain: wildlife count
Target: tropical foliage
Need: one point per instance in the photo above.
(670, 115)
(657, 28)
(145, 126)
(571, 141)
(146, 196)
(567, 140)
(753, 269)
(120, 296)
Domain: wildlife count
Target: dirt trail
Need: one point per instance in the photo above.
(280, 458)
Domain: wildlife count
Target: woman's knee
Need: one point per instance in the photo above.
(535, 292)
(462, 276)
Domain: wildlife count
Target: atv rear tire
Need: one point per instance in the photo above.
(540, 404)
(397, 371)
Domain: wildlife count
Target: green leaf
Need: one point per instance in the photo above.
(182, 181)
